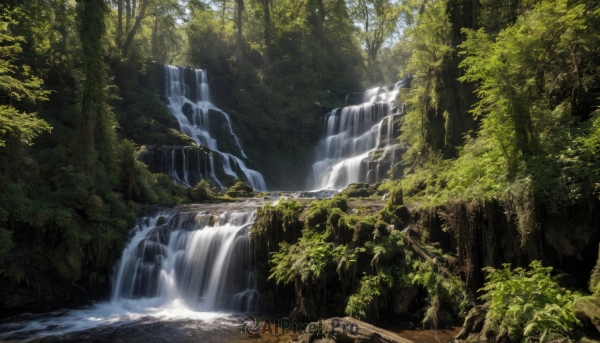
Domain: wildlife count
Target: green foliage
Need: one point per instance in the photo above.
(440, 288)
(319, 211)
(366, 300)
(378, 20)
(529, 304)
(306, 259)
(359, 256)
(276, 223)
(537, 140)
(241, 189)
(22, 126)
(363, 190)
(17, 84)
(512, 93)
(202, 192)
(428, 43)
(52, 219)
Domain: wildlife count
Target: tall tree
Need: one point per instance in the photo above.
(120, 22)
(136, 25)
(240, 37)
(267, 31)
(93, 99)
(15, 125)
(378, 20)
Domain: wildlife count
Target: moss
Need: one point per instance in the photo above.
(363, 190)
(201, 192)
(335, 217)
(396, 198)
(595, 277)
(381, 230)
(587, 309)
(357, 190)
(403, 214)
(339, 202)
(241, 190)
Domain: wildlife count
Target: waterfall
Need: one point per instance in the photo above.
(198, 260)
(352, 134)
(186, 94)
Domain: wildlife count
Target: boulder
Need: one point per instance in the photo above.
(474, 321)
(403, 299)
(587, 309)
(350, 330)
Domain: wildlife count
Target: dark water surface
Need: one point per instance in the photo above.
(96, 324)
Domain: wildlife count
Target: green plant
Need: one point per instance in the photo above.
(530, 303)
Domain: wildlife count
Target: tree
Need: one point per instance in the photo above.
(530, 69)
(267, 30)
(96, 127)
(165, 36)
(378, 19)
(17, 84)
(136, 25)
(240, 37)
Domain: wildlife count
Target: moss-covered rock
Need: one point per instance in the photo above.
(381, 230)
(362, 190)
(587, 309)
(396, 197)
(201, 192)
(595, 277)
(319, 211)
(241, 190)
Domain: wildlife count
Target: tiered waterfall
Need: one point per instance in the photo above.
(352, 135)
(185, 91)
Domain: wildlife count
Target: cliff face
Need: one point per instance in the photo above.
(488, 234)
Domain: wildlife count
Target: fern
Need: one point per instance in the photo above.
(529, 304)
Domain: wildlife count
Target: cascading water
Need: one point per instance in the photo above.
(186, 94)
(179, 265)
(352, 134)
(181, 257)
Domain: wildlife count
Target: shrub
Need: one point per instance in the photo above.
(529, 304)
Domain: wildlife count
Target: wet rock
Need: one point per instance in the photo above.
(587, 309)
(403, 299)
(360, 190)
(595, 277)
(474, 321)
(350, 330)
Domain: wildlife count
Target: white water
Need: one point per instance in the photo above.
(177, 266)
(181, 257)
(351, 135)
(187, 88)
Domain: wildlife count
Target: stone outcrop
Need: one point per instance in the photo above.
(403, 299)
(474, 321)
(587, 309)
(350, 330)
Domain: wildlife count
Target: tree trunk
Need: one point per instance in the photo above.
(320, 20)
(127, 15)
(120, 23)
(240, 37)
(154, 34)
(131, 34)
(267, 33)
(93, 102)
(133, 5)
